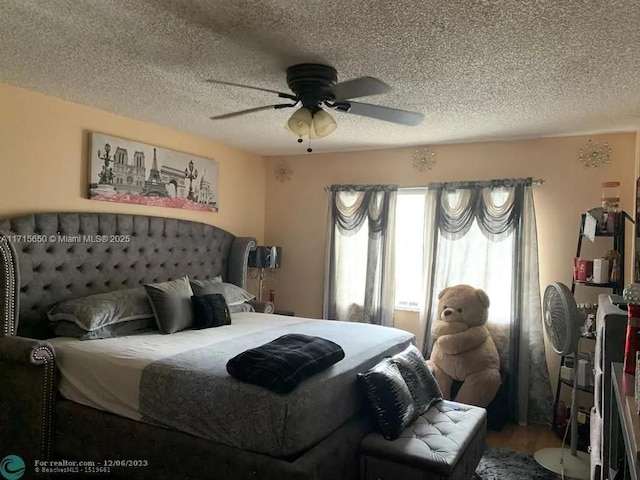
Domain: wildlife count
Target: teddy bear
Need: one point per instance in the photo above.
(463, 348)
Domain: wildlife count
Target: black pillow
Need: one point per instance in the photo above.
(389, 397)
(423, 387)
(210, 310)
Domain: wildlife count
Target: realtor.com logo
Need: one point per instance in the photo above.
(12, 467)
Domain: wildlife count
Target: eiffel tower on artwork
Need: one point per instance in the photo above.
(154, 186)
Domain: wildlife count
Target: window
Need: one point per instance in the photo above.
(410, 223)
(473, 259)
(476, 260)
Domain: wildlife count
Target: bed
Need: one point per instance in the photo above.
(128, 398)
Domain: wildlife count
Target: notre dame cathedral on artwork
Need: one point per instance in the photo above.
(174, 180)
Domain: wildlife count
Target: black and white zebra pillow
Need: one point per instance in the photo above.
(423, 387)
(389, 397)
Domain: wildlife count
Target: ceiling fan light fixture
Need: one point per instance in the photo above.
(301, 121)
(314, 125)
(323, 124)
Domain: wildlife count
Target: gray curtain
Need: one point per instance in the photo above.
(359, 273)
(507, 225)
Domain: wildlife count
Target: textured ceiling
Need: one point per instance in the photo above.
(477, 69)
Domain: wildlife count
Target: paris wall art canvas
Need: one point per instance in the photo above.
(130, 172)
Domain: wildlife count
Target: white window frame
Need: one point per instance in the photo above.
(410, 243)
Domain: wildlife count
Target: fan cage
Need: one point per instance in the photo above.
(561, 318)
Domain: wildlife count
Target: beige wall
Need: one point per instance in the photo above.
(296, 209)
(44, 161)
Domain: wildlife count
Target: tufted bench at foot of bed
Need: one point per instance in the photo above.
(446, 442)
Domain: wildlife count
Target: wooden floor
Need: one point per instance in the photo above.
(523, 439)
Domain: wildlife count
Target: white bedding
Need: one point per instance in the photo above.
(105, 374)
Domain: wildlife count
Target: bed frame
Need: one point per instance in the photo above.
(49, 257)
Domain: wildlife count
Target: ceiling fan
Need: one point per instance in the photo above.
(315, 86)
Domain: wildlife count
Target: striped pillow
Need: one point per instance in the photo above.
(423, 387)
(389, 397)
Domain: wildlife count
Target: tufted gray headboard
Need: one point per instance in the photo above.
(49, 257)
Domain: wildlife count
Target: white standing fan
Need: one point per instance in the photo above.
(562, 322)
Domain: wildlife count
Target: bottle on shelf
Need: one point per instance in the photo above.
(611, 206)
(615, 271)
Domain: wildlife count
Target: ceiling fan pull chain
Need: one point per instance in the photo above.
(309, 150)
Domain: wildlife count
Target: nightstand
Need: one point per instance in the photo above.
(285, 312)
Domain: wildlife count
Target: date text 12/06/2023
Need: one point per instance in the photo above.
(87, 467)
(13, 467)
(64, 238)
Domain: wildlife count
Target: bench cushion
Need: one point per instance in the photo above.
(435, 442)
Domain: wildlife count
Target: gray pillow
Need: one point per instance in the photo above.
(171, 304)
(104, 309)
(132, 327)
(207, 287)
(243, 307)
(233, 294)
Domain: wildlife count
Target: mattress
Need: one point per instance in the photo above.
(179, 381)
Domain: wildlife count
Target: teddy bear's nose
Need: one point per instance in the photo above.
(447, 312)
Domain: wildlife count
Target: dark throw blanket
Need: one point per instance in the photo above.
(282, 364)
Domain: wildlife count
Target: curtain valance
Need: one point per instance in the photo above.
(353, 204)
(496, 205)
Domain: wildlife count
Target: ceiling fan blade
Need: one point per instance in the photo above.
(231, 84)
(360, 87)
(387, 114)
(253, 110)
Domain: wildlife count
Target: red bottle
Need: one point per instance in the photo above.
(632, 344)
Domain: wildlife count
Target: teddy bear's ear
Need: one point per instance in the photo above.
(484, 298)
(441, 294)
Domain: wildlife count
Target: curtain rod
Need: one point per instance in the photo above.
(446, 185)
(360, 188)
(483, 183)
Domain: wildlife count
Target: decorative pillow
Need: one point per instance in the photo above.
(389, 398)
(233, 294)
(423, 387)
(132, 327)
(171, 304)
(207, 287)
(97, 311)
(210, 311)
(243, 307)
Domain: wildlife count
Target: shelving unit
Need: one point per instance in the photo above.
(618, 246)
(582, 389)
(583, 430)
(617, 287)
(614, 285)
